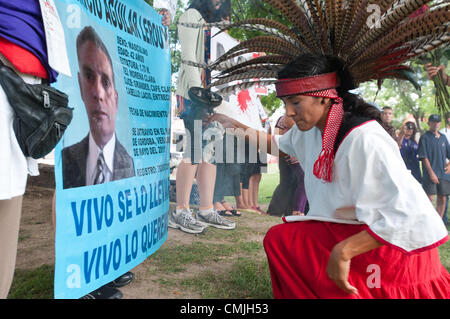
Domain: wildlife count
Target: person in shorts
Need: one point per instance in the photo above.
(434, 150)
(198, 159)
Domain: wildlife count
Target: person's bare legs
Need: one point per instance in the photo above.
(10, 213)
(184, 180)
(254, 192)
(218, 206)
(245, 198)
(231, 211)
(206, 180)
(254, 189)
(440, 204)
(240, 203)
(249, 194)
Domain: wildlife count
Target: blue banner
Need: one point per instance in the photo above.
(112, 165)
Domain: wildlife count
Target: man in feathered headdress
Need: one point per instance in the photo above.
(365, 207)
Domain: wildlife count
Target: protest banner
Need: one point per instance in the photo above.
(112, 165)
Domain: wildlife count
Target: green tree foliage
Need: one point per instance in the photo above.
(403, 97)
(271, 102)
(248, 9)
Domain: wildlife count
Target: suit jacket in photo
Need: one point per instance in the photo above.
(74, 161)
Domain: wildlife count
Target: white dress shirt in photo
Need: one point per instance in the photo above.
(92, 158)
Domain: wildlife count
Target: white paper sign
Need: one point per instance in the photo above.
(54, 35)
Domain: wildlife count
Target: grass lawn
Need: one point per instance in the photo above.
(444, 252)
(268, 183)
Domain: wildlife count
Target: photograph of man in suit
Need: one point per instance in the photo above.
(99, 157)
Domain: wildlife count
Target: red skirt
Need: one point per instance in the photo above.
(298, 255)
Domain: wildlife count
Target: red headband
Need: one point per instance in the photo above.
(285, 87)
(322, 85)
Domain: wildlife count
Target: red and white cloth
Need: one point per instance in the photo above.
(323, 167)
(371, 190)
(321, 85)
(298, 255)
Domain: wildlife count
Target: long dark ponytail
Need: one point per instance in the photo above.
(313, 64)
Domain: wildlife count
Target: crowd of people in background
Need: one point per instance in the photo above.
(427, 154)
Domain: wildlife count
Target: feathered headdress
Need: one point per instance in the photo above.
(373, 37)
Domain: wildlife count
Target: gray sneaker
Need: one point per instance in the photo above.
(212, 218)
(184, 221)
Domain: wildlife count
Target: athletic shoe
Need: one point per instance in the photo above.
(212, 218)
(184, 221)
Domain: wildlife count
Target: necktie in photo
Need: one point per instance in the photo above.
(101, 170)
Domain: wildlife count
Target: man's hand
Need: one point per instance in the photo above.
(426, 163)
(165, 17)
(338, 269)
(434, 179)
(432, 71)
(292, 160)
(447, 168)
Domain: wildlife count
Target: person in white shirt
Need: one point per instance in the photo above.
(366, 209)
(198, 162)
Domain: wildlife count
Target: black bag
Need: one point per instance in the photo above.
(41, 114)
